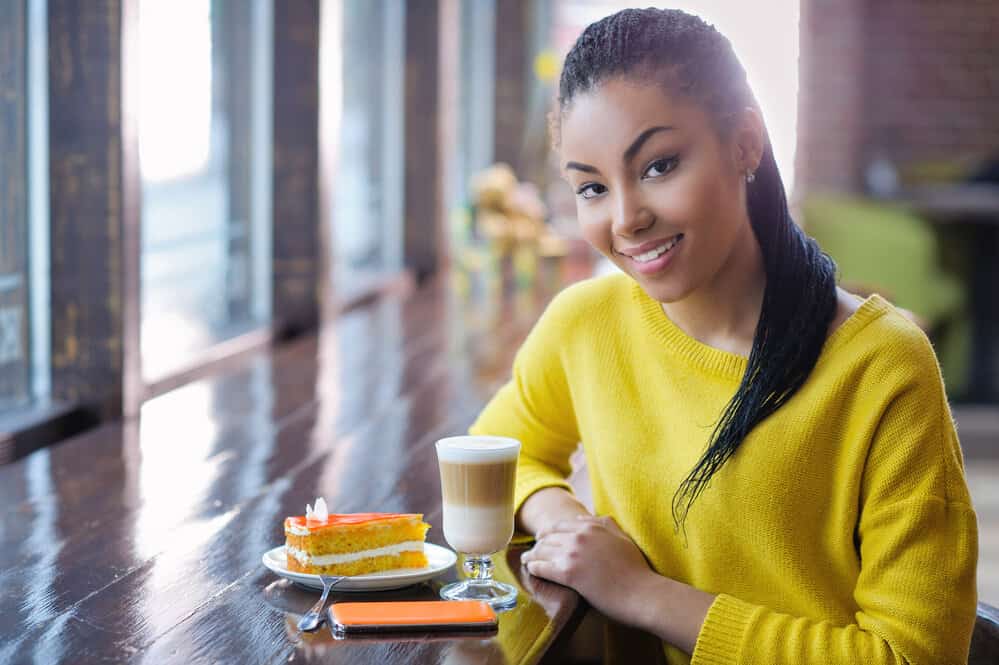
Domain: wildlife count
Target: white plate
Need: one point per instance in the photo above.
(439, 559)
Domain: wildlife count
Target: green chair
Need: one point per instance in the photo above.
(886, 249)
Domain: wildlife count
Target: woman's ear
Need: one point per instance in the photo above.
(749, 139)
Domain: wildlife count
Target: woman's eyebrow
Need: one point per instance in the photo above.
(637, 144)
(629, 154)
(586, 168)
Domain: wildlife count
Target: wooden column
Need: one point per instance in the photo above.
(423, 207)
(296, 244)
(15, 379)
(92, 220)
(512, 23)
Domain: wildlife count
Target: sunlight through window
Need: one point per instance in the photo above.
(175, 99)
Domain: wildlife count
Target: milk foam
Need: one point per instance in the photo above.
(477, 529)
(477, 449)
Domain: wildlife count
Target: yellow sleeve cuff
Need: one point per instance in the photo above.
(724, 632)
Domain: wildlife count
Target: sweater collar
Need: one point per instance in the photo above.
(732, 365)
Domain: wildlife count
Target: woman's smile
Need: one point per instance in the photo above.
(652, 257)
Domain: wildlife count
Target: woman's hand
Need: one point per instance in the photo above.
(596, 558)
(547, 506)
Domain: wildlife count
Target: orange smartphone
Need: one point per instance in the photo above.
(407, 616)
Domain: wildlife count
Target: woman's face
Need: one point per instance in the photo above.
(657, 190)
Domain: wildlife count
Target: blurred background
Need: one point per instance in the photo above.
(185, 181)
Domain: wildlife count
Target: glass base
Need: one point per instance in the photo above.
(498, 594)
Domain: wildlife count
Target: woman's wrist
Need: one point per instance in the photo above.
(672, 610)
(547, 506)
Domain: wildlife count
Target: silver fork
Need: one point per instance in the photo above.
(314, 617)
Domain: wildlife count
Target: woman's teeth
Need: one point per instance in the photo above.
(658, 251)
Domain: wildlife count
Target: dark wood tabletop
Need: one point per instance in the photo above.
(142, 541)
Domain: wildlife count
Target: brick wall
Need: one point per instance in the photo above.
(830, 99)
(914, 80)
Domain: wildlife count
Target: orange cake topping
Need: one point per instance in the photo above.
(346, 519)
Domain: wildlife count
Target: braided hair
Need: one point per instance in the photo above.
(690, 57)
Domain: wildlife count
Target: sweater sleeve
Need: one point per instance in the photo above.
(536, 407)
(916, 538)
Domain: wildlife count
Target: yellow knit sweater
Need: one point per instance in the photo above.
(840, 532)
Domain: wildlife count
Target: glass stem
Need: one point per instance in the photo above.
(479, 568)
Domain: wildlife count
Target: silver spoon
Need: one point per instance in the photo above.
(314, 617)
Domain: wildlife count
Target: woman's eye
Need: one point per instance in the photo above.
(590, 190)
(660, 167)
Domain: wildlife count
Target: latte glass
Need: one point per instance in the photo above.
(477, 481)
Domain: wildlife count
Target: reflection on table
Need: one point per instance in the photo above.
(142, 541)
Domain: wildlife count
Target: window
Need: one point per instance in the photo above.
(23, 205)
(367, 207)
(474, 149)
(205, 152)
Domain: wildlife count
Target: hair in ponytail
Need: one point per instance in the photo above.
(689, 57)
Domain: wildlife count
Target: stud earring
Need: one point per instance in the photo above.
(750, 176)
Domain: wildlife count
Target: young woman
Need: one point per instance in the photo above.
(773, 463)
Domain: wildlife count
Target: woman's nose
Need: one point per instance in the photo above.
(630, 216)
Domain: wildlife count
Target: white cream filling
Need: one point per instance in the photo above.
(305, 558)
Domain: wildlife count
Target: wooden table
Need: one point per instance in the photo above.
(142, 541)
(975, 208)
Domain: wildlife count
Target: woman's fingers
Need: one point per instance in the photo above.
(549, 546)
(561, 548)
(555, 527)
(611, 524)
(554, 557)
(548, 570)
(549, 560)
(572, 525)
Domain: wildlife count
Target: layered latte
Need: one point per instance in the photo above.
(477, 484)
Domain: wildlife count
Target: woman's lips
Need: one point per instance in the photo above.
(657, 264)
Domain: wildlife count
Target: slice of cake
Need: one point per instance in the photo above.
(353, 544)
